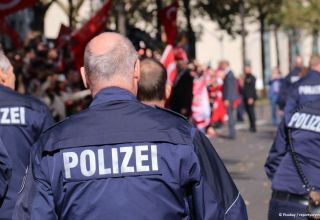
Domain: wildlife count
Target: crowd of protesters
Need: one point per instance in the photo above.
(41, 73)
(207, 96)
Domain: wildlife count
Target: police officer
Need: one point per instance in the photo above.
(286, 85)
(5, 170)
(22, 119)
(290, 194)
(307, 88)
(121, 159)
(249, 96)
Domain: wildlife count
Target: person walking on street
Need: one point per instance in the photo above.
(230, 94)
(274, 88)
(250, 96)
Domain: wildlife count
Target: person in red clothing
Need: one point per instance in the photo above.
(218, 112)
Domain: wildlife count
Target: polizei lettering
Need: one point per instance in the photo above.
(12, 116)
(110, 161)
(309, 90)
(305, 121)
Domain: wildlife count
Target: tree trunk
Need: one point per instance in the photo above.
(39, 11)
(159, 30)
(121, 18)
(290, 43)
(263, 58)
(71, 11)
(315, 46)
(190, 32)
(243, 35)
(276, 39)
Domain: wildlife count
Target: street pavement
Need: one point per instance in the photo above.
(244, 158)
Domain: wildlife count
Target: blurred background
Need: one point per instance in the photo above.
(204, 39)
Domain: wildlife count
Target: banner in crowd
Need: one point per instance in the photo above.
(8, 7)
(169, 63)
(63, 36)
(13, 35)
(90, 29)
(168, 17)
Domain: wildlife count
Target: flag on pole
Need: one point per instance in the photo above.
(11, 6)
(63, 36)
(90, 29)
(169, 63)
(168, 17)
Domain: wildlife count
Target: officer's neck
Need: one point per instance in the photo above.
(159, 103)
(103, 85)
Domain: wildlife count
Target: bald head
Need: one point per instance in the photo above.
(110, 58)
(315, 62)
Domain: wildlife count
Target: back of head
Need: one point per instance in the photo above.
(153, 79)
(109, 57)
(298, 61)
(7, 76)
(315, 62)
(5, 64)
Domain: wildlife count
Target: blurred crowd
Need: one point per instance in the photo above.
(198, 91)
(208, 96)
(41, 72)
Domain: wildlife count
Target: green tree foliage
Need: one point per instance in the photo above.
(224, 12)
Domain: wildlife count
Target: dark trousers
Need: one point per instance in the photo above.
(286, 210)
(240, 111)
(251, 115)
(231, 122)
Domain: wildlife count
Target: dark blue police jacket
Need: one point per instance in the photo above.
(305, 132)
(22, 119)
(303, 91)
(286, 86)
(120, 159)
(5, 170)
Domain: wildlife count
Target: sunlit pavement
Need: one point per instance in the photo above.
(244, 158)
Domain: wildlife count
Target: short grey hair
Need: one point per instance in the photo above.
(5, 64)
(118, 61)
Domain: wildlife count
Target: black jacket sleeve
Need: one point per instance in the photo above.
(215, 196)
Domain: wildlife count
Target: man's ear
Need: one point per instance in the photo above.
(168, 91)
(84, 77)
(136, 72)
(3, 77)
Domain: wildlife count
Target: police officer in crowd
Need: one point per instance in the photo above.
(307, 88)
(5, 170)
(152, 87)
(286, 85)
(22, 120)
(121, 159)
(295, 182)
(249, 96)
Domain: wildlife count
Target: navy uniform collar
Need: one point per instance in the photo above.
(5, 88)
(112, 94)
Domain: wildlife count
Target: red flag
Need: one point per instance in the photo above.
(11, 33)
(169, 63)
(168, 16)
(63, 36)
(10, 6)
(89, 30)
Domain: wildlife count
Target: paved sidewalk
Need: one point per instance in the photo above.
(245, 158)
